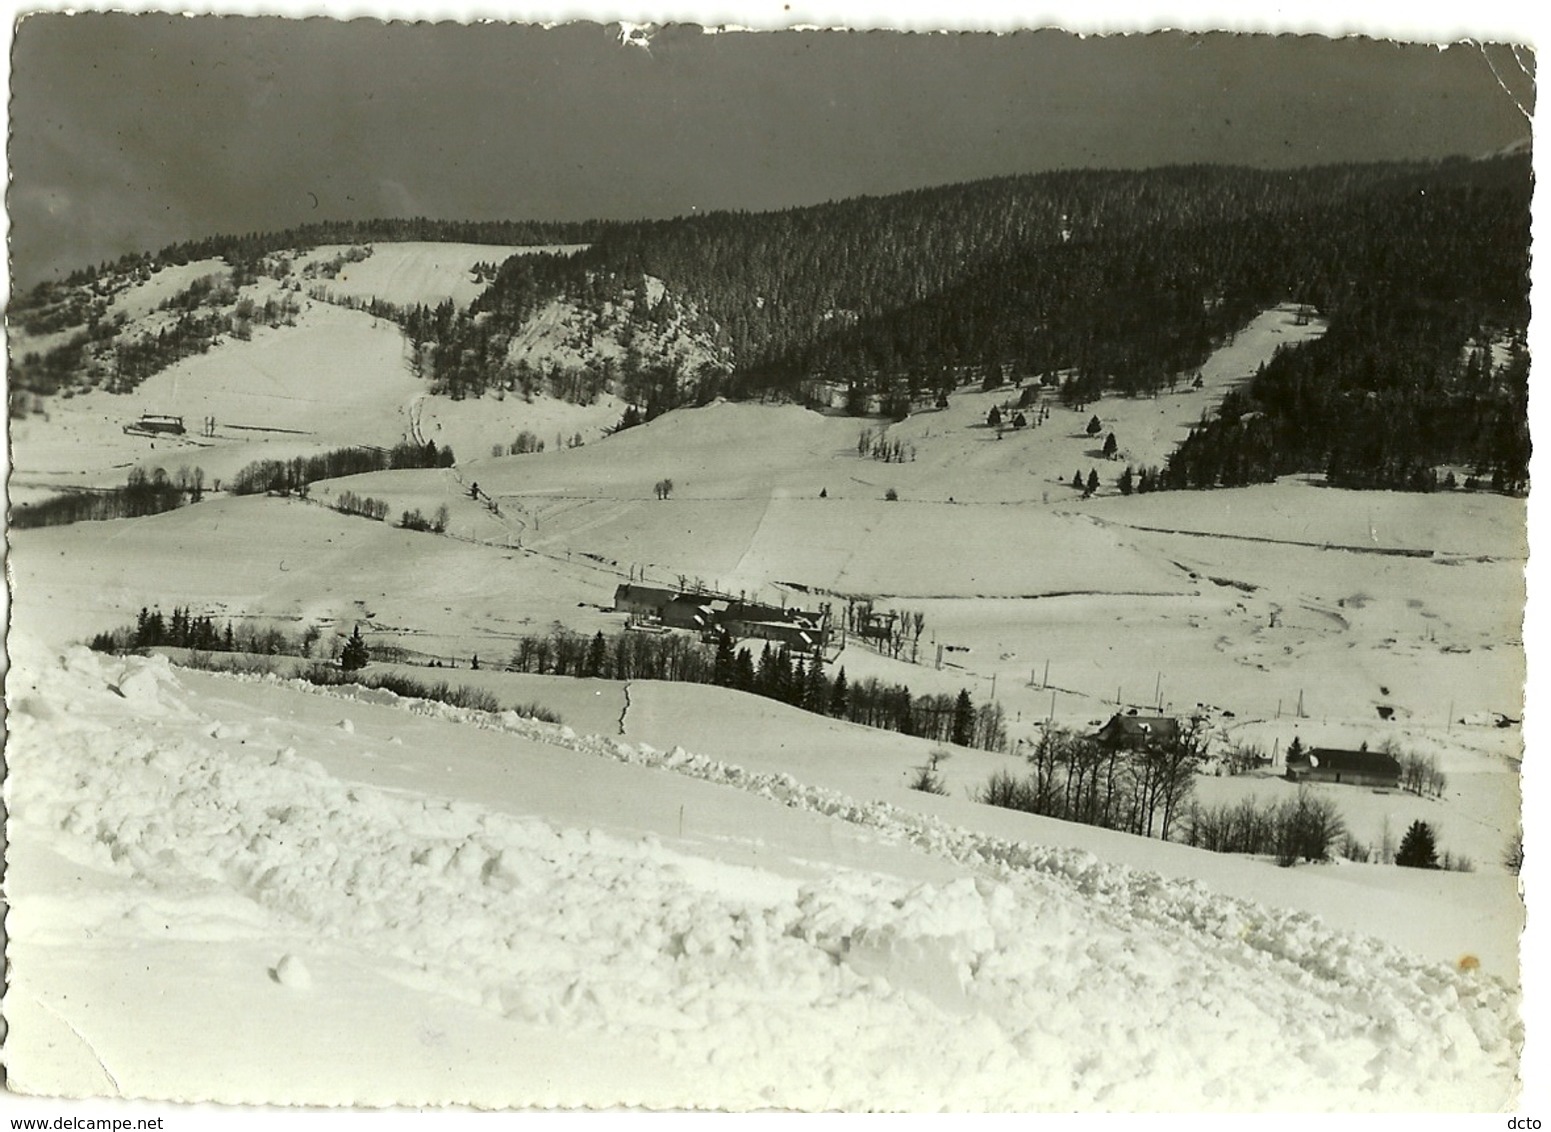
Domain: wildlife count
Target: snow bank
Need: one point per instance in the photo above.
(1040, 978)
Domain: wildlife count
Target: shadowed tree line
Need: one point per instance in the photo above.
(284, 477)
(773, 673)
(143, 494)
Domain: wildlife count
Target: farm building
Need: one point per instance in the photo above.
(1138, 732)
(1353, 768)
(795, 635)
(698, 612)
(801, 630)
(156, 424)
(642, 601)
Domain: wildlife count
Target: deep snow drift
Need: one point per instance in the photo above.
(211, 902)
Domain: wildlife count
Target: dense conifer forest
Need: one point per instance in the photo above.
(1093, 281)
(1113, 282)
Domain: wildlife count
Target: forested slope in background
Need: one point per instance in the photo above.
(1091, 281)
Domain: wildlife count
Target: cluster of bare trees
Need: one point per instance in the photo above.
(1077, 778)
(875, 443)
(1306, 827)
(349, 503)
(1420, 774)
(890, 632)
(436, 524)
(141, 494)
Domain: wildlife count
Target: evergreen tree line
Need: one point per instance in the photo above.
(774, 673)
(142, 494)
(1076, 778)
(1389, 394)
(254, 246)
(1119, 280)
(1168, 264)
(185, 630)
(284, 477)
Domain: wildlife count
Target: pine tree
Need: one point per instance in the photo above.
(797, 690)
(1110, 447)
(839, 696)
(1093, 481)
(1094, 427)
(1076, 481)
(816, 692)
(1418, 848)
(355, 654)
(598, 655)
(1126, 483)
(724, 667)
(743, 675)
(963, 719)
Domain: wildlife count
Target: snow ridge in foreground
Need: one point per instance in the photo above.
(1042, 979)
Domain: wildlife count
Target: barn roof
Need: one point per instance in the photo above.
(1140, 728)
(642, 593)
(1335, 759)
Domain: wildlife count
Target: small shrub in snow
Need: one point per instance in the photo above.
(1354, 850)
(1513, 855)
(928, 781)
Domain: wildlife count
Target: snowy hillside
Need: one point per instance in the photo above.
(499, 911)
(416, 273)
(646, 326)
(318, 375)
(240, 891)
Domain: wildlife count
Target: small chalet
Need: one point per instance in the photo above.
(642, 601)
(1138, 732)
(1352, 768)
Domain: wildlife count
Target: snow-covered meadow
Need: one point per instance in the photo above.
(214, 849)
(246, 890)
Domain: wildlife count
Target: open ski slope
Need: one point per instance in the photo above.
(417, 273)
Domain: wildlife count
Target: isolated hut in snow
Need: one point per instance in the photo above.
(1351, 768)
(1138, 732)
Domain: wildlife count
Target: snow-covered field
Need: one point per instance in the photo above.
(241, 890)
(495, 911)
(417, 273)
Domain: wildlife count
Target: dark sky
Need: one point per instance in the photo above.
(131, 131)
